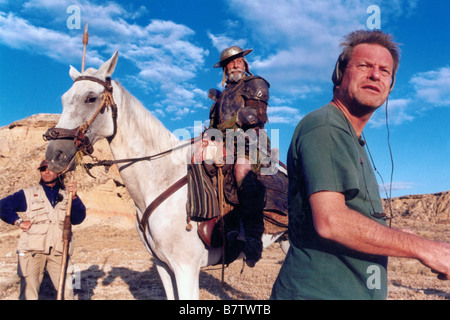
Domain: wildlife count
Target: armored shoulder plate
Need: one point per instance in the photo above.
(256, 88)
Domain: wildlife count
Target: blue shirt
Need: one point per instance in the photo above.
(16, 202)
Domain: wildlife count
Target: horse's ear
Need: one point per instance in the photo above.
(107, 69)
(74, 73)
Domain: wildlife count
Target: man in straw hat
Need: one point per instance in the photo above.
(40, 245)
(242, 106)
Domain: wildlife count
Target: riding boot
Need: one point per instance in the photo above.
(251, 195)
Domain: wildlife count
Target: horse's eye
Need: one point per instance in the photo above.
(90, 99)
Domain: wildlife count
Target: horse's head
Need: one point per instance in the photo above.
(89, 114)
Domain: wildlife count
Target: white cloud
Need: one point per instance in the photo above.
(397, 113)
(284, 115)
(433, 87)
(396, 186)
(221, 42)
(430, 89)
(18, 33)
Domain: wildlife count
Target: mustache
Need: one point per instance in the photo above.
(235, 70)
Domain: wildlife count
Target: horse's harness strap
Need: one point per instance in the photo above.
(158, 200)
(78, 134)
(106, 84)
(60, 133)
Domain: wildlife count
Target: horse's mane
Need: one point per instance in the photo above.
(141, 121)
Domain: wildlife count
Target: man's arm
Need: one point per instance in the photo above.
(78, 210)
(333, 220)
(12, 204)
(256, 95)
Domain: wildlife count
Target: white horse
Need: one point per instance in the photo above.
(134, 132)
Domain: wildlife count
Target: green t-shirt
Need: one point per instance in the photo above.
(325, 155)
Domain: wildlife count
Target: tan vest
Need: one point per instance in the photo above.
(47, 223)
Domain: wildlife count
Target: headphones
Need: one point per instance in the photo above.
(339, 72)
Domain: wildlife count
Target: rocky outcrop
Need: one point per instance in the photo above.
(22, 148)
(425, 207)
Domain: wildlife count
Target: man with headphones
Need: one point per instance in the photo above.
(40, 247)
(339, 237)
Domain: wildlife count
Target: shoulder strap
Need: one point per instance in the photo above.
(160, 199)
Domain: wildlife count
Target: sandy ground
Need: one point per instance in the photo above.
(111, 263)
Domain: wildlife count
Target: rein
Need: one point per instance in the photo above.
(131, 161)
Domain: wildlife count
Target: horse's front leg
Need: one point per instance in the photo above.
(167, 278)
(164, 272)
(187, 280)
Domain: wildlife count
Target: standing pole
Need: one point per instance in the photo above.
(85, 42)
(66, 240)
(67, 224)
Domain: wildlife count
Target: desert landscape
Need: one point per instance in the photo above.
(111, 263)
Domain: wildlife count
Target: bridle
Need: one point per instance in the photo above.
(81, 141)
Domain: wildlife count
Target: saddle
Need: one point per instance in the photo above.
(203, 205)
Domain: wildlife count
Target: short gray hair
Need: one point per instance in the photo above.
(364, 36)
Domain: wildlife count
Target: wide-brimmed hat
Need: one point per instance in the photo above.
(231, 53)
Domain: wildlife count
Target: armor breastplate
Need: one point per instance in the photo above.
(230, 101)
(234, 96)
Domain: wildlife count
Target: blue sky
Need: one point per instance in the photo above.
(167, 50)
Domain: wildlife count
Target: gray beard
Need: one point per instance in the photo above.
(235, 76)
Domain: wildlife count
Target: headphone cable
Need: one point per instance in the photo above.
(388, 196)
(392, 163)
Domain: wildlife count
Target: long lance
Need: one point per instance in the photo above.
(85, 42)
(67, 231)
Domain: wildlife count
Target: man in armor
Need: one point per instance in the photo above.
(243, 106)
